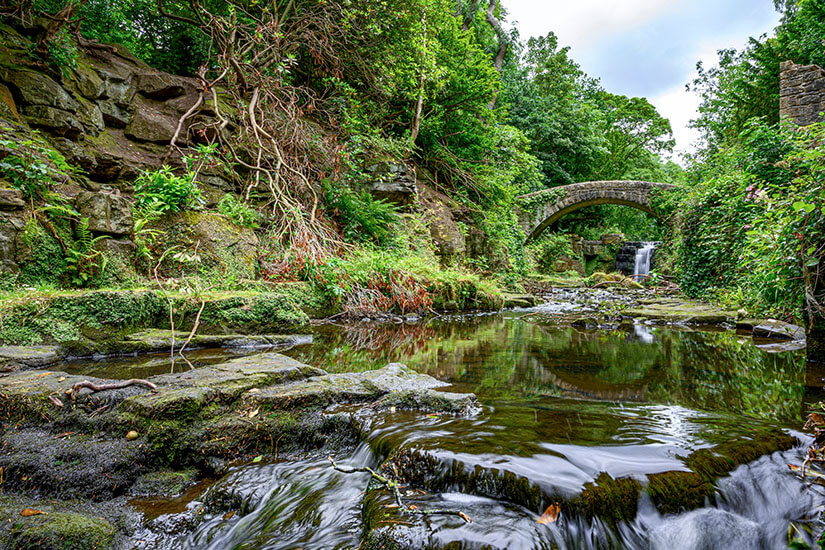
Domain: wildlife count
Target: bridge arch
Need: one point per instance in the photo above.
(540, 210)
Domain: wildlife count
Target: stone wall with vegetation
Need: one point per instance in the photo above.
(802, 93)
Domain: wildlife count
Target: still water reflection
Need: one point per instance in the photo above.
(514, 357)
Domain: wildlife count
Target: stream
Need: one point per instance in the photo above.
(559, 407)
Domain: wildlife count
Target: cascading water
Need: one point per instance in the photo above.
(642, 266)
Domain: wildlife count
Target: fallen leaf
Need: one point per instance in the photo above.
(258, 458)
(253, 414)
(62, 378)
(42, 375)
(31, 512)
(413, 507)
(228, 515)
(550, 515)
(465, 517)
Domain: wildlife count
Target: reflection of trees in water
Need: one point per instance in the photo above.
(724, 371)
(359, 347)
(514, 359)
(388, 339)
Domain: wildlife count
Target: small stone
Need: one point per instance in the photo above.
(131, 435)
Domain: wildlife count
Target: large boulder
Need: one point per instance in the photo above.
(444, 229)
(11, 199)
(224, 248)
(151, 122)
(38, 89)
(11, 226)
(107, 213)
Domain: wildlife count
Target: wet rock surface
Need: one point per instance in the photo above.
(265, 404)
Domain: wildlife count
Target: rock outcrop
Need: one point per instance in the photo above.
(111, 114)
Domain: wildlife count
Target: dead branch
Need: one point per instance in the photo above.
(112, 386)
(393, 487)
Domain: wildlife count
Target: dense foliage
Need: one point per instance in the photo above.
(750, 228)
(482, 115)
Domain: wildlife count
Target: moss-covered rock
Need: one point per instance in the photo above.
(61, 531)
(228, 252)
(84, 323)
(675, 492)
(609, 499)
(670, 311)
(164, 483)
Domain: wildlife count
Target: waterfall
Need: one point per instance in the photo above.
(642, 265)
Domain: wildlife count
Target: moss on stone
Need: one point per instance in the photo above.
(723, 458)
(61, 531)
(164, 483)
(78, 320)
(43, 260)
(612, 500)
(675, 492)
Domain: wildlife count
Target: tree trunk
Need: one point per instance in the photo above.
(503, 43)
(419, 107)
(469, 15)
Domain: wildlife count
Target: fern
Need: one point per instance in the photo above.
(84, 262)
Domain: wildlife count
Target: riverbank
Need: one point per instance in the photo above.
(212, 451)
(39, 329)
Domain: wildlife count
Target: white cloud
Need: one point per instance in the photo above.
(580, 23)
(679, 106)
(621, 41)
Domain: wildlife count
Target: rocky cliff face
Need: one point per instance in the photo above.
(111, 115)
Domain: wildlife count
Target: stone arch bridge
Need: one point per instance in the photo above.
(540, 210)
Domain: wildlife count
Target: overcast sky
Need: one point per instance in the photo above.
(647, 48)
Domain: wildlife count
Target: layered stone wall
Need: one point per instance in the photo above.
(801, 92)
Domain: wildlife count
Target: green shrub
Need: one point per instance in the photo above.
(549, 249)
(163, 191)
(753, 234)
(31, 167)
(238, 212)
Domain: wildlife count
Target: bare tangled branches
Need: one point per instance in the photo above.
(259, 90)
(394, 487)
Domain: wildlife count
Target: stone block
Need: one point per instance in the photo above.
(150, 123)
(393, 182)
(38, 89)
(53, 120)
(107, 213)
(8, 108)
(11, 199)
(161, 86)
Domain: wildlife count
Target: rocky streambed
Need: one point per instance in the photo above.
(568, 424)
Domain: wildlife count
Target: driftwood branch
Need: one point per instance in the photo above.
(111, 386)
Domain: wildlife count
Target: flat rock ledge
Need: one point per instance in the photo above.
(14, 358)
(667, 310)
(195, 423)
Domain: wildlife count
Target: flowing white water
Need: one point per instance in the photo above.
(642, 266)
